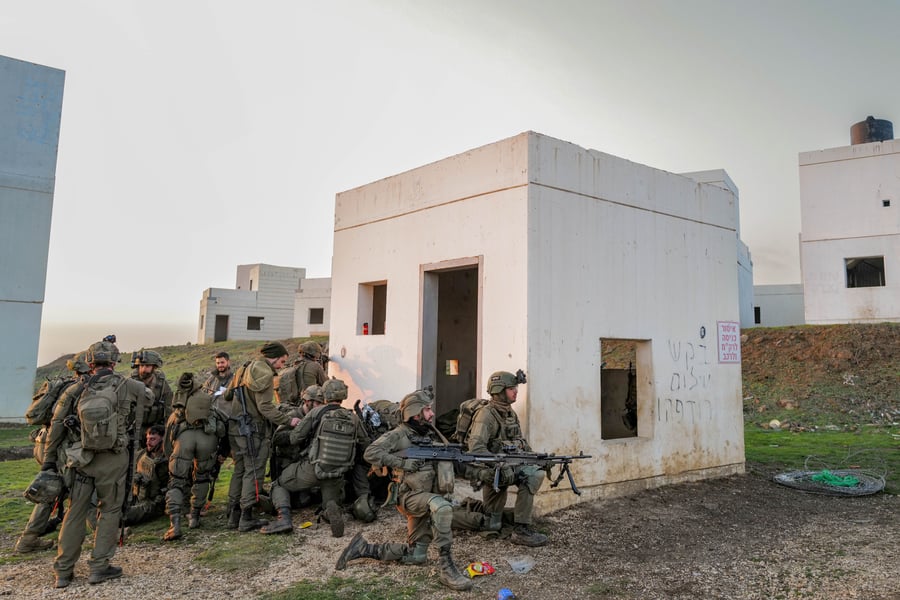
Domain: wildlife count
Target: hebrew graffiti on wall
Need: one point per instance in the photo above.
(686, 400)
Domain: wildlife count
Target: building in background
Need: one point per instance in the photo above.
(30, 111)
(614, 285)
(850, 228)
(777, 305)
(264, 306)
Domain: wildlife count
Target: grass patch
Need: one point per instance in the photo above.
(234, 551)
(16, 436)
(15, 476)
(873, 449)
(374, 588)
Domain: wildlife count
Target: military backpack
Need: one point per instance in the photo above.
(467, 412)
(41, 409)
(98, 413)
(290, 384)
(333, 449)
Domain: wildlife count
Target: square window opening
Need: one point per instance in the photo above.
(316, 316)
(624, 363)
(885, 203)
(371, 311)
(254, 323)
(865, 271)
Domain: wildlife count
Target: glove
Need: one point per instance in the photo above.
(49, 466)
(507, 476)
(411, 465)
(486, 475)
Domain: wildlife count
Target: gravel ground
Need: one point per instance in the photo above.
(737, 537)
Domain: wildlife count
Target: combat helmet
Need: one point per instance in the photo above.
(313, 393)
(102, 353)
(46, 487)
(78, 364)
(334, 390)
(412, 404)
(501, 380)
(311, 350)
(146, 357)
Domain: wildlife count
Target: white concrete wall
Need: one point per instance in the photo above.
(621, 250)
(842, 214)
(30, 113)
(313, 293)
(779, 305)
(575, 245)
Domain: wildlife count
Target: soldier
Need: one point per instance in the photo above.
(495, 425)
(428, 513)
(312, 397)
(192, 436)
(283, 451)
(151, 478)
(216, 385)
(100, 462)
(335, 437)
(146, 365)
(256, 378)
(40, 521)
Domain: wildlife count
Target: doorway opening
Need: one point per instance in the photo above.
(221, 332)
(624, 365)
(451, 329)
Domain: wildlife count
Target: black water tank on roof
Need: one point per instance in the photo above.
(871, 130)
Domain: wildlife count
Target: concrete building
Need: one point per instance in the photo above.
(850, 228)
(777, 305)
(30, 112)
(607, 281)
(263, 306)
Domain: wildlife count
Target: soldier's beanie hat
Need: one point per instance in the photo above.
(273, 350)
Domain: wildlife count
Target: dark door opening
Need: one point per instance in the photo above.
(221, 331)
(450, 335)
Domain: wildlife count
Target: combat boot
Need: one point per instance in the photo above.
(248, 522)
(524, 535)
(358, 548)
(101, 575)
(282, 525)
(174, 531)
(450, 575)
(63, 580)
(335, 517)
(31, 543)
(194, 519)
(418, 555)
(234, 516)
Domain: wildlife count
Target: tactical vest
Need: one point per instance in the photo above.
(151, 477)
(333, 449)
(509, 432)
(155, 413)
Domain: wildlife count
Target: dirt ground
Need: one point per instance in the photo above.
(738, 537)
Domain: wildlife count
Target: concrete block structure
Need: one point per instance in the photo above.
(850, 229)
(30, 113)
(777, 305)
(614, 285)
(262, 306)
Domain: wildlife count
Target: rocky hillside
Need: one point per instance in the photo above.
(817, 375)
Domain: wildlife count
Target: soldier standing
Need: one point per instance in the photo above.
(256, 379)
(146, 368)
(151, 478)
(216, 385)
(40, 521)
(428, 513)
(335, 438)
(495, 427)
(192, 436)
(106, 408)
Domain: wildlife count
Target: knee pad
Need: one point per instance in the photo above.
(441, 514)
(181, 467)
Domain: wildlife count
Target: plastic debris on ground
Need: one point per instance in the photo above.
(521, 564)
(479, 568)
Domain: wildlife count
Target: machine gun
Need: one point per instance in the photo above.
(247, 428)
(510, 457)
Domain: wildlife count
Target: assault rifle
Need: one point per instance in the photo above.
(129, 477)
(510, 457)
(246, 428)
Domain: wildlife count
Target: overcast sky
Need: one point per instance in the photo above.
(197, 136)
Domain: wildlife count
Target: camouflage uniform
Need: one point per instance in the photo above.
(191, 442)
(257, 379)
(151, 478)
(495, 427)
(100, 472)
(41, 522)
(158, 409)
(428, 513)
(301, 476)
